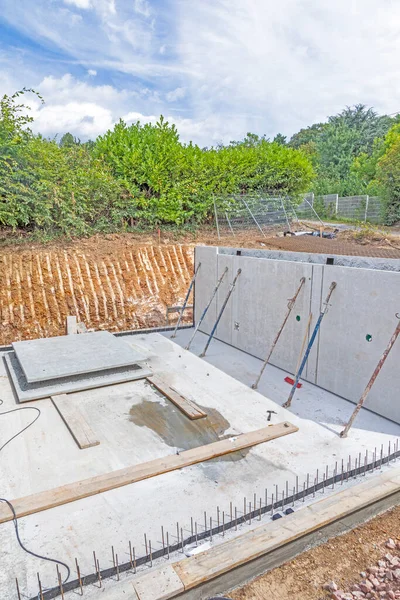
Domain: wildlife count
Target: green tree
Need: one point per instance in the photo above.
(68, 140)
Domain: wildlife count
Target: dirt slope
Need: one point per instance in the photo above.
(124, 286)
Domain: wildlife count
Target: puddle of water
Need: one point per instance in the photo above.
(178, 431)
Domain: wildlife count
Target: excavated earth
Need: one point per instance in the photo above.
(127, 281)
(123, 287)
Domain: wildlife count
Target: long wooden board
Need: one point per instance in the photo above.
(264, 540)
(102, 483)
(188, 407)
(75, 421)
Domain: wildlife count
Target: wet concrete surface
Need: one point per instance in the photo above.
(180, 432)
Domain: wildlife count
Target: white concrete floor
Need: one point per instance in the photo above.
(135, 424)
(310, 402)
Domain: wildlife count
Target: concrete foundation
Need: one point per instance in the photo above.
(354, 333)
(134, 424)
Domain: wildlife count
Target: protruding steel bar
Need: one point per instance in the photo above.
(99, 573)
(60, 582)
(17, 584)
(206, 309)
(117, 566)
(290, 306)
(78, 572)
(372, 379)
(310, 345)
(186, 300)
(40, 588)
(96, 567)
(231, 288)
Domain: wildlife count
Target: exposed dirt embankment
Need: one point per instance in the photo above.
(113, 286)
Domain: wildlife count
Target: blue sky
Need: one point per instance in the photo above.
(217, 68)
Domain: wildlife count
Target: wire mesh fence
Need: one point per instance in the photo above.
(348, 208)
(246, 212)
(265, 211)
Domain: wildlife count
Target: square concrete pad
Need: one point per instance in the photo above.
(26, 391)
(68, 355)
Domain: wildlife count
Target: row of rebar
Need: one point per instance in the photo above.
(253, 510)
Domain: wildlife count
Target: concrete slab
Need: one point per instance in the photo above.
(135, 424)
(26, 392)
(159, 585)
(65, 356)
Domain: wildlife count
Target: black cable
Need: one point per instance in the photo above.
(26, 549)
(16, 410)
(11, 507)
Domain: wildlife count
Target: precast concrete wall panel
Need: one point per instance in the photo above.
(260, 304)
(206, 281)
(226, 325)
(354, 334)
(310, 372)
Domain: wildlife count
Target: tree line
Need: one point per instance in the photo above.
(142, 175)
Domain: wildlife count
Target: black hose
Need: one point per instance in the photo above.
(11, 507)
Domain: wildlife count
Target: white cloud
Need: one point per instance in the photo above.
(176, 94)
(92, 72)
(142, 7)
(271, 66)
(234, 65)
(83, 119)
(85, 4)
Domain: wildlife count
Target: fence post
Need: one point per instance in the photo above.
(216, 217)
(337, 205)
(366, 208)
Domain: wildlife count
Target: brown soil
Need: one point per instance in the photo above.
(126, 281)
(107, 284)
(341, 560)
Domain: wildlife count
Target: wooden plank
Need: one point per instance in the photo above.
(188, 407)
(252, 545)
(75, 421)
(109, 481)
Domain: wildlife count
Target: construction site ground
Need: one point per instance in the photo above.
(341, 560)
(126, 281)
